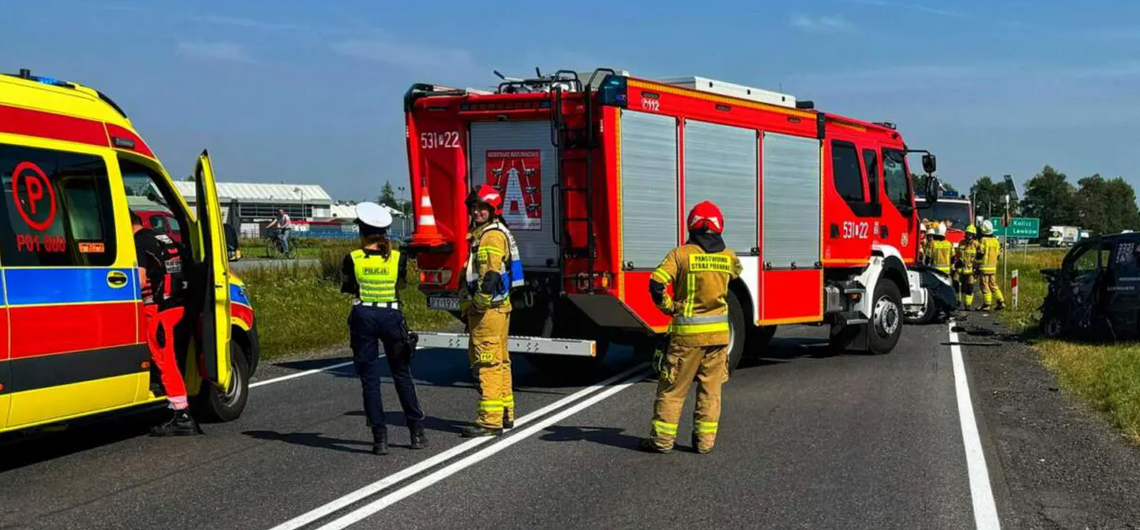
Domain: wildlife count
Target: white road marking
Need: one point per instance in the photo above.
(985, 511)
(390, 480)
(300, 374)
(411, 489)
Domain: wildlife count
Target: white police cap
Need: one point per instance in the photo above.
(373, 215)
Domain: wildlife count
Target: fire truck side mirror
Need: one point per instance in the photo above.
(929, 163)
(933, 189)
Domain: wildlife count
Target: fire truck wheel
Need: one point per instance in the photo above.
(758, 339)
(737, 331)
(212, 405)
(886, 317)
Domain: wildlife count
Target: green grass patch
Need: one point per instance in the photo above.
(1107, 376)
(300, 309)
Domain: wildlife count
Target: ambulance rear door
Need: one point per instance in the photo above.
(215, 338)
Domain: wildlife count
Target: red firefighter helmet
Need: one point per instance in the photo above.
(706, 216)
(489, 196)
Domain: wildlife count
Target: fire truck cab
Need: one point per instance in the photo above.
(598, 173)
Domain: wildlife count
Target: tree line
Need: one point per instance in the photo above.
(1104, 206)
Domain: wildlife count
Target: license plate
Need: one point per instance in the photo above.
(446, 303)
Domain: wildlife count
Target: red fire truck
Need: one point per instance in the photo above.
(599, 172)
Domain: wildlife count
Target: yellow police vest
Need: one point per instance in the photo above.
(991, 250)
(941, 253)
(376, 276)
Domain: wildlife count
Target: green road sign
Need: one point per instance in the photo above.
(1019, 227)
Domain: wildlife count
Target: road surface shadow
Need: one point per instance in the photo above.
(315, 440)
(20, 449)
(611, 436)
(431, 423)
(787, 349)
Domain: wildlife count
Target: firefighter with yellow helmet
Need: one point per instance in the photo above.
(699, 272)
(966, 262)
(493, 268)
(989, 251)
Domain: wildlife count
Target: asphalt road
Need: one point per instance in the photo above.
(809, 439)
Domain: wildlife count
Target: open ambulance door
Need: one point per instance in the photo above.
(215, 339)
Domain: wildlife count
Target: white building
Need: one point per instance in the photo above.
(258, 202)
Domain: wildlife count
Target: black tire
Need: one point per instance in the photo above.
(737, 331)
(211, 405)
(1051, 325)
(886, 323)
(270, 248)
(758, 339)
(926, 315)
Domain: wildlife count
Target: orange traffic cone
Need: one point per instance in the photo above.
(426, 231)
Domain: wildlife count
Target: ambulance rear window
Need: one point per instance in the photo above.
(56, 210)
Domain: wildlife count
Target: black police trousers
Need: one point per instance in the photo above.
(368, 327)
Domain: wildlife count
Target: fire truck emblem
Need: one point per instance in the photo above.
(517, 174)
(905, 239)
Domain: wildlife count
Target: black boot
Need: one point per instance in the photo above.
(419, 440)
(476, 431)
(508, 423)
(180, 424)
(380, 442)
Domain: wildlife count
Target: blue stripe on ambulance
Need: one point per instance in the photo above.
(68, 285)
(237, 295)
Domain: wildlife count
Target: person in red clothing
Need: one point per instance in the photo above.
(159, 264)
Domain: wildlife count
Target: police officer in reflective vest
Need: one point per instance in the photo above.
(941, 251)
(989, 251)
(966, 262)
(492, 270)
(374, 275)
(160, 272)
(699, 273)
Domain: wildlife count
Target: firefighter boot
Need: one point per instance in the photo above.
(509, 410)
(477, 431)
(649, 446)
(380, 442)
(180, 424)
(419, 440)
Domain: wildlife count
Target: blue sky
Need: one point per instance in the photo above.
(310, 92)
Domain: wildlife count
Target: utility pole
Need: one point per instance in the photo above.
(1005, 240)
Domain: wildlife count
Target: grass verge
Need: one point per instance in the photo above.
(300, 309)
(1107, 376)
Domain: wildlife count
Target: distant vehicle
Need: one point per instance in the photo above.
(1063, 236)
(951, 206)
(163, 222)
(1096, 292)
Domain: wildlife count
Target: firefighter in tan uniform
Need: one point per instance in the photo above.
(966, 262)
(699, 272)
(989, 251)
(492, 269)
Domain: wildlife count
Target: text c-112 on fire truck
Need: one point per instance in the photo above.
(821, 208)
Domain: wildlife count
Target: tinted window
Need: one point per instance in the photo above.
(895, 180)
(145, 194)
(158, 223)
(1085, 261)
(56, 209)
(871, 162)
(846, 173)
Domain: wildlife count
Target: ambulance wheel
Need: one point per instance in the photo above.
(213, 405)
(737, 331)
(886, 323)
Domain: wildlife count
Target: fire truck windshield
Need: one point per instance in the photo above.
(958, 213)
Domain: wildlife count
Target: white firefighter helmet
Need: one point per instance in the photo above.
(987, 228)
(941, 230)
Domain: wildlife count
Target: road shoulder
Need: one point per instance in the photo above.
(1062, 465)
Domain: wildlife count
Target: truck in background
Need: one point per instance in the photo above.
(1064, 236)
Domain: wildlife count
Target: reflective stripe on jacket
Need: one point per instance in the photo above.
(967, 256)
(700, 287)
(941, 252)
(990, 252)
(376, 275)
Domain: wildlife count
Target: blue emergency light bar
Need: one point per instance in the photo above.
(951, 194)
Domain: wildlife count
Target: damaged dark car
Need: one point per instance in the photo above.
(1096, 292)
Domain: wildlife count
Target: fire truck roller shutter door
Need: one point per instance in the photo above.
(648, 187)
(502, 154)
(791, 209)
(720, 166)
